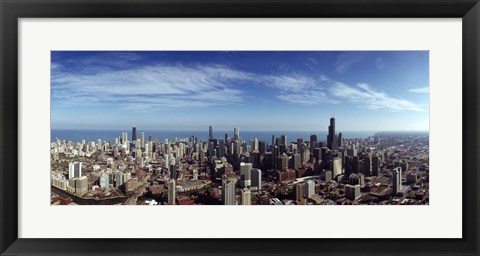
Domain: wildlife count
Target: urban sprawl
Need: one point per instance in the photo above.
(384, 169)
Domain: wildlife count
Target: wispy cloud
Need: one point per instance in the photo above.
(366, 97)
(149, 87)
(420, 90)
(344, 61)
(133, 87)
(310, 98)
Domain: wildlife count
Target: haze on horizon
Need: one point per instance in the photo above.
(252, 90)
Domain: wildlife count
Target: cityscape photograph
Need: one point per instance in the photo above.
(162, 128)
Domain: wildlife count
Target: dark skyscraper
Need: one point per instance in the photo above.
(210, 132)
(340, 140)
(134, 133)
(331, 134)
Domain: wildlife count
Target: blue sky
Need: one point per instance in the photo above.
(253, 90)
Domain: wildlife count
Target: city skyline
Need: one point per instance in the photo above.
(134, 169)
(371, 91)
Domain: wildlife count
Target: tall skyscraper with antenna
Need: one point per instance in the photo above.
(331, 134)
(134, 134)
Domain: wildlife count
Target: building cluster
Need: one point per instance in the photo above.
(388, 168)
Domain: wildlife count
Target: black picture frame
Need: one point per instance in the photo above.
(12, 10)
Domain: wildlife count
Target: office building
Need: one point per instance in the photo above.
(299, 192)
(104, 180)
(74, 170)
(367, 166)
(228, 191)
(210, 132)
(81, 186)
(375, 165)
(331, 134)
(134, 133)
(236, 133)
(256, 178)
(246, 196)
(352, 192)
(171, 191)
(397, 180)
(310, 188)
(245, 174)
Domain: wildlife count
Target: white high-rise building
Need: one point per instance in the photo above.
(228, 191)
(171, 191)
(245, 174)
(397, 180)
(142, 140)
(74, 170)
(167, 160)
(310, 188)
(81, 186)
(246, 197)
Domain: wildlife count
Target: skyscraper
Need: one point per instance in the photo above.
(142, 140)
(228, 191)
(310, 188)
(245, 174)
(246, 196)
(171, 191)
(340, 140)
(299, 192)
(375, 165)
(331, 134)
(367, 166)
(134, 133)
(397, 180)
(104, 180)
(236, 133)
(210, 132)
(74, 170)
(81, 186)
(256, 178)
(352, 192)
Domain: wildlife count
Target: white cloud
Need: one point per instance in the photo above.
(310, 98)
(344, 61)
(420, 90)
(150, 86)
(366, 97)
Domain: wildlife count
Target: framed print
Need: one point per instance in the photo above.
(224, 127)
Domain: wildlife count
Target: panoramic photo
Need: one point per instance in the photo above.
(161, 128)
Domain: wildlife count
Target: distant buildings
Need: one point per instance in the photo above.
(230, 171)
